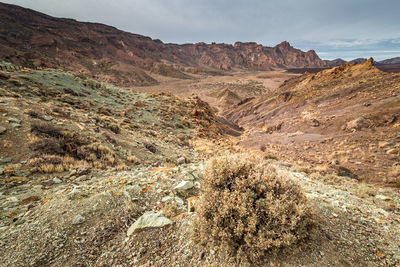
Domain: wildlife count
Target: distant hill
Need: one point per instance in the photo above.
(390, 61)
(33, 39)
(339, 61)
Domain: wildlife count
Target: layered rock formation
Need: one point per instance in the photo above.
(30, 38)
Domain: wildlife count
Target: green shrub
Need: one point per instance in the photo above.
(248, 210)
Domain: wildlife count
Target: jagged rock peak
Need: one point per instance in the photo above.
(284, 44)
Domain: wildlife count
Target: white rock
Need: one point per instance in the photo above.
(12, 199)
(147, 221)
(78, 220)
(57, 181)
(179, 201)
(382, 211)
(184, 185)
(165, 199)
(181, 160)
(382, 197)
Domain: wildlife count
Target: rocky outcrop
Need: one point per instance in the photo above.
(30, 38)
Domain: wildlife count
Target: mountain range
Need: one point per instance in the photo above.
(32, 39)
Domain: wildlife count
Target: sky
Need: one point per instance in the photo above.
(345, 29)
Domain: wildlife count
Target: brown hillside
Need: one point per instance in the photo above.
(30, 38)
(346, 116)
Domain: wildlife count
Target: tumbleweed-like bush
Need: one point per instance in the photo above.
(248, 210)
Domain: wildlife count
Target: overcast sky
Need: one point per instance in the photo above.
(334, 28)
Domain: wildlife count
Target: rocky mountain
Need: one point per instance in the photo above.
(336, 62)
(33, 39)
(92, 174)
(345, 116)
(339, 61)
(390, 61)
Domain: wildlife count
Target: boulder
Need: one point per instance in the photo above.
(357, 124)
(14, 120)
(184, 185)
(78, 220)
(147, 221)
(2, 129)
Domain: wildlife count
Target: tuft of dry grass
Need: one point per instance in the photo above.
(56, 149)
(133, 159)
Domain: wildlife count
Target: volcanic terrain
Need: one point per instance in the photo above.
(101, 129)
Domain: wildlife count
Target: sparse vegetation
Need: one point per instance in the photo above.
(56, 149)
(248, 210)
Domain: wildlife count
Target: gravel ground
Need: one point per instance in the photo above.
(83, 222)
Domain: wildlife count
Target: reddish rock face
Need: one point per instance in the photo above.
(74, 45)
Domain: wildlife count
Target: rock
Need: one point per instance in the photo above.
(47, 182)
(181, 160)
(382, 212)
(77, 193)
(147, 221)
(12, 199)
(4, 75)
(134, 190)
(14, 120)
(72, 173)
(142, 250)
(1, 171)
(82, 178)
(382, 197)
(150, 147)
(179, 201)
(78, 220)
(2, 129)
(175, 199)
(57, 181)
(342, 171)
(48, 118)
(285, 164)
(315, 123)
(184, 185)
(357, 124)
(82, 170)
(166, 199)
(6, 160)
(15, 125)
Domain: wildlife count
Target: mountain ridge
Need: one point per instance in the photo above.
(34, 39)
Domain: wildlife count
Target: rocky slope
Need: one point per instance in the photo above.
(117, 180)
(86, 222)
(30, 38)
(346, 116)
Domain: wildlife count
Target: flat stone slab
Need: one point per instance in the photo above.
(184, 185)
(147, 221)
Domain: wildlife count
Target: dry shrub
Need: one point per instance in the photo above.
(121, 167)
(41, 128)
(133, 159)
(50, 168)
(56, 140)
(45, 159)
(248, 210)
